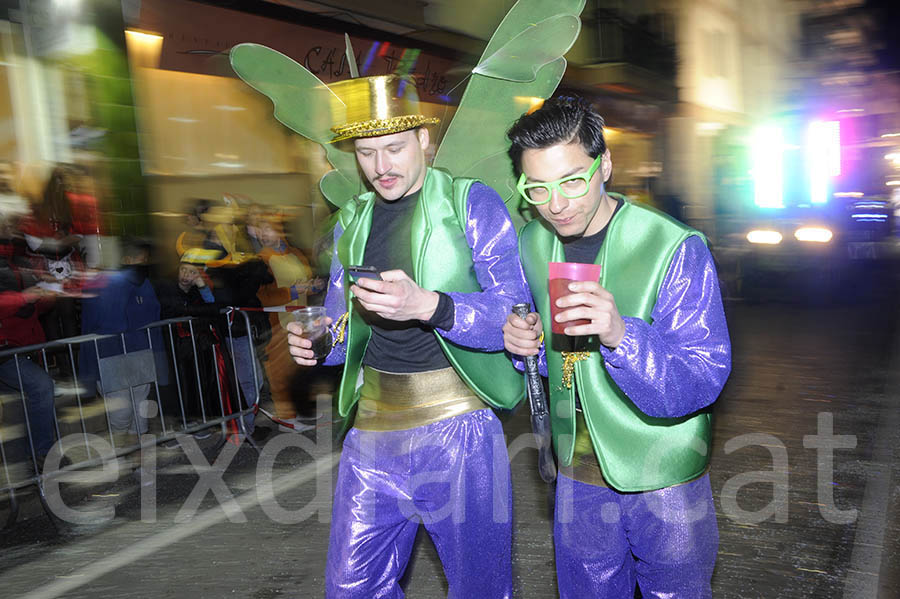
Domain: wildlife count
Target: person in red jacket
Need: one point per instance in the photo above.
(22, 301)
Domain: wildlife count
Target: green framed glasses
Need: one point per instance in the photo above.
(573, 186)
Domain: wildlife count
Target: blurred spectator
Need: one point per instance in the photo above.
(228, 230)
(189, 294)
(217, 226)
(235, 276)
(195, 233)
(237, 284)
(125, 301)
(236, 279)
(62, 230)
(292, 281)
(63, 218)
(21, 302)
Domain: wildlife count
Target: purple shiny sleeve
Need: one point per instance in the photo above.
(679, 363)
(479, 317)
(335, 306)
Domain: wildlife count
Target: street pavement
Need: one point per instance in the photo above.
(807, 383)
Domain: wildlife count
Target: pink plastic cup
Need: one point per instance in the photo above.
(561, 274)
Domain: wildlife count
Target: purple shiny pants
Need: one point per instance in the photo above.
(452, 476)
(665, 541)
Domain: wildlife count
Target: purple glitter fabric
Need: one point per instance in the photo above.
(453, 476)
(665, 541)
(478, 317)
(335, 305)
(679, 363)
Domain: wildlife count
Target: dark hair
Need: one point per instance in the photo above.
(563, 119)
(199, 207)
(56, 205)
(132, 247)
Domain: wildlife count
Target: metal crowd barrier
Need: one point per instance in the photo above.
(119, 372)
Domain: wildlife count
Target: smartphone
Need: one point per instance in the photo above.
(357, 272)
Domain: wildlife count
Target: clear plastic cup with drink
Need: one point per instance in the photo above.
(312, 319)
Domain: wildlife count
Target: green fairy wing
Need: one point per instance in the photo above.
(304, 104)
(522, 64)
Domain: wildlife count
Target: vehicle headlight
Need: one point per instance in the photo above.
(764, 236)
(813, 234)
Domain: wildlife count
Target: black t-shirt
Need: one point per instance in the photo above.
(585, 250)
(408, 346)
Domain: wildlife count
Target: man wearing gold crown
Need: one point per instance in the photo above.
(423, 360)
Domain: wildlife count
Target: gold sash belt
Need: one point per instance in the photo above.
(394, 401)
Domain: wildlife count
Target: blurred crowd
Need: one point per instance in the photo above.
(238, 276)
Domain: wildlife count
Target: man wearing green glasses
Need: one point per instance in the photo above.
(632, 382)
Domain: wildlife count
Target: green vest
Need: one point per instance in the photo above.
(442, 261)
(636, 452)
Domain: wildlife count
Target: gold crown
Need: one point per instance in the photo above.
(373, 106)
